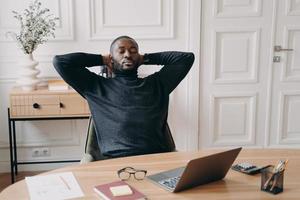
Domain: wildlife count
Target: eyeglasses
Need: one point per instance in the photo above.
(125, 173)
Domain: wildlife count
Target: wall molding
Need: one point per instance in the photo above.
(164, 29)
(65, 29)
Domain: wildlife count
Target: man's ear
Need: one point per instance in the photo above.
(110, 58)
(110, 65)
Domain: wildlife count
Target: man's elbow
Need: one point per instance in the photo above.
(191, 58)
(56, 61)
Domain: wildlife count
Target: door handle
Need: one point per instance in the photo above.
(279, 48)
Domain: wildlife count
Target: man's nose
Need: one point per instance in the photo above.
(127, 54)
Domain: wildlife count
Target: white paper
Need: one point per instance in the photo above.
(53, 186)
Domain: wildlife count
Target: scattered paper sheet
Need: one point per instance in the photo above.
(53, 186)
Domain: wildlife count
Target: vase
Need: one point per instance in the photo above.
(28, 73)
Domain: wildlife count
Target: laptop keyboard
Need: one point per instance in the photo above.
(170, 182)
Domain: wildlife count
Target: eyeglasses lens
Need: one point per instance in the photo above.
(139, 175)
(124, 175)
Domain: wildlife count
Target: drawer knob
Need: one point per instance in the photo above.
(36, 106)
(61, 105)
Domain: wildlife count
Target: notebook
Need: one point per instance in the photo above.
(104, 191)
(198, 171)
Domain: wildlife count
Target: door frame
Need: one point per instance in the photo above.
(194, 30)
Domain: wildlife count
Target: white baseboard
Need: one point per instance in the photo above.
(5, 166)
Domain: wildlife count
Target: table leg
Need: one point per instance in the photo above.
(15, 147)
(12, 173)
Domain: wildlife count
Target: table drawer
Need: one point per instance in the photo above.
(47, 110)
(47, 104)
(20, 100)
(46, 99)
(72, 104)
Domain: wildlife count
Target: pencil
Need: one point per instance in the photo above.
(279, 168)
(65, 182)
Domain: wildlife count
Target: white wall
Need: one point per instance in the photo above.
(90, 26)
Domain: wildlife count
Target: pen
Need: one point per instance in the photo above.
(277, 175)
(274, 181)
(279, 168)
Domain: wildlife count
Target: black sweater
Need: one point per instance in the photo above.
(129, 113)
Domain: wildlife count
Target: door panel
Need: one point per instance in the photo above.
(228, 109)
(291, 58)
(235, 62)
(284, 124)
(250, 99)
(235, 52)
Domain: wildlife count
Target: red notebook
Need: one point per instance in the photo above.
(105, 193)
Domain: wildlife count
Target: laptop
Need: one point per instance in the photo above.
(197, 172)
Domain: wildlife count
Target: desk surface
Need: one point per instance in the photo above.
(234, 186)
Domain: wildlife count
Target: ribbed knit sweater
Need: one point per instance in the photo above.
(129, 113)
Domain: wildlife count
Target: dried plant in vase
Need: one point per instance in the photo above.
(36, 27)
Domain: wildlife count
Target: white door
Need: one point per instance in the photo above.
(285, 102)
(245, 98)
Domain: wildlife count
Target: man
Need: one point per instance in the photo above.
(129, 113)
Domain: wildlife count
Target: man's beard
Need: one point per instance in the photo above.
(119, 69)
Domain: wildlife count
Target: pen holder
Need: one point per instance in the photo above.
(271, 182)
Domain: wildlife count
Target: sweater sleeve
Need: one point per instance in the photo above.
(176, 66)
(72, 68)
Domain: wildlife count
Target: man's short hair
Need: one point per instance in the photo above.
(119, 38)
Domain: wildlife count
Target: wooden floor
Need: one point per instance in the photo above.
(5, 178)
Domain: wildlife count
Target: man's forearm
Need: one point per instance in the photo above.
(169, 58)
(76, 60)
(176, 66)
(72, 68)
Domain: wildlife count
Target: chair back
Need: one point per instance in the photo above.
(91, 143)
(92, 147)
(169, 138)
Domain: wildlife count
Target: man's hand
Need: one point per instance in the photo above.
(141, 60)
(107, 61)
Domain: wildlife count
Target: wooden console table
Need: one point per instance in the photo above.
(41, 104)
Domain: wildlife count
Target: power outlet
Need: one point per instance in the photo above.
(45, 151)
(41, 152)
(35, 152)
